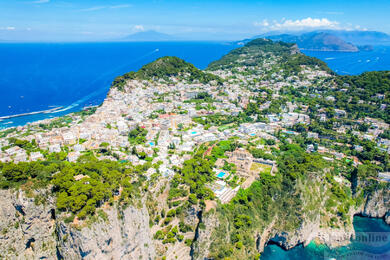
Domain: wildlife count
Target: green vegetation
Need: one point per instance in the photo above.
(195, 173)
(256, 51)
(57, 123)
(163, 68)
(373, 88)
(275, 199)
(84, 186)
(80, 187)
(137, 135)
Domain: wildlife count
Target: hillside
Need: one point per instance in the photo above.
(255, 52)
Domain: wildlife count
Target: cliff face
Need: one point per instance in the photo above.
(377, 205)
(200, 249)
(26, 228)
(124, 236)
(29, 230)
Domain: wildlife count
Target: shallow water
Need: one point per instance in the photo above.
(372, 242)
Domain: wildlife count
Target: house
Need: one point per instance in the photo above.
(241, 158)
(312, 135)
(79, 148)
(358, 148)
(73, 156)
(20, 156)
(340, 113)
(55, 148)
(36, 156)
(69, 138)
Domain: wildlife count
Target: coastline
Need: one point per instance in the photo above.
(47, 111)
(317, 248)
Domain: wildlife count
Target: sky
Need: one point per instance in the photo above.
(87, 20)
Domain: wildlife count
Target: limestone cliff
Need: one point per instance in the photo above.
(377, 205)
(29, 229)
(26, 226)
(124, 234)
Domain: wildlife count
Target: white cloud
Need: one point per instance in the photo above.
(306, 23)
(101, 7)
(93, 8)
(120, 6)
(264, 23)
(139, 28)
(41, 1)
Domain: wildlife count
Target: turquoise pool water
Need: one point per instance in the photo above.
(194, 132)
(221, 175)
(151, 143)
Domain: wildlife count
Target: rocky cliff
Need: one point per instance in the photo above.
(27, 227)
(376, 205)
(30, 230)
(124, 234)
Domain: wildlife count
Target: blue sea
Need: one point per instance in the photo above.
(352, 63)
(372, 242)
(38, 76)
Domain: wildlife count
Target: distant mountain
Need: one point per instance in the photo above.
(354, 37)
(363, 37)
(149, 36)
(317, 41)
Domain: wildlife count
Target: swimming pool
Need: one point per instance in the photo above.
(221, 175)
(194, 132)
(151, 143)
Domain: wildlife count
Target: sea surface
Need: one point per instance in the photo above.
(39, 76)
(372, 242)
(353, 63)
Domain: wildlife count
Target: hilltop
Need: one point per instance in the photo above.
(164, 68)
